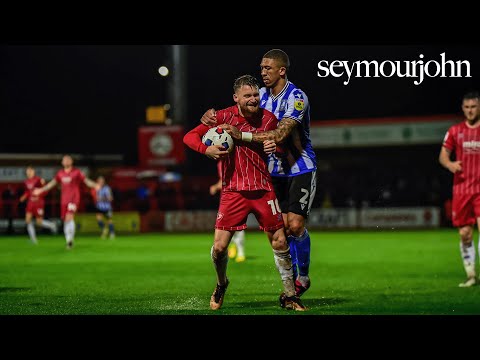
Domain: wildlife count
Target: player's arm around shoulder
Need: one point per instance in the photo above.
(284, 129)
(297, 105)
(277, 131)
(209, 118)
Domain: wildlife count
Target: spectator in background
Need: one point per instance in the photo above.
(143, 195)
(327, 201)
(7, 199)
(35, 205)
(463, 139)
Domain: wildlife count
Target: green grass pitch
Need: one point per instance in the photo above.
(353, 273)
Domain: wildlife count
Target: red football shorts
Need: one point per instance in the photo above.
(35, 207)
(235, 207)
(68, 208)
(465, 209)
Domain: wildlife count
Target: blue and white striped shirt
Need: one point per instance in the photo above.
(293, 103)
(103, 196)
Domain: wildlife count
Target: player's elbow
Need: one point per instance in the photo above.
(279, 138)
(442, 159)
(186, 139)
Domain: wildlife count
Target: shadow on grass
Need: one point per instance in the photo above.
(247, 258)
(309, 303)
(4, 289)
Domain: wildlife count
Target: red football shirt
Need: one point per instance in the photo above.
(465, 142)
(70, 182)
(245, 168)
(30, 184)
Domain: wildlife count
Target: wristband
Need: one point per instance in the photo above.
(247, 136)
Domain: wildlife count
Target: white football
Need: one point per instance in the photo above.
(218, 136)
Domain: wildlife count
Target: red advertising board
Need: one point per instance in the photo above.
(160, 145)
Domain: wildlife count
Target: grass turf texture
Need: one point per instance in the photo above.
(354, 273)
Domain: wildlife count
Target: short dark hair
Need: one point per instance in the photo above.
(278, 55)
(471, 95)
(243, 80)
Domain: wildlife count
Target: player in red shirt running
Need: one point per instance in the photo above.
(247, 188)
(70, 179)
(464, 140)
(35, 205)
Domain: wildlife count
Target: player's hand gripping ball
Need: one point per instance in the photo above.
(218, 136)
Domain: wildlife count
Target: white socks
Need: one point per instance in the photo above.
(468, 257)
(239, 240)
(31, 232)
(48, 224)
(283, 261)
(69, 229)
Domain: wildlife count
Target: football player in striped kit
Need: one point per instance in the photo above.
(293, 170)
(70, 179)
(464, 139)
(35, 205)
(246, 188)
(103, 204)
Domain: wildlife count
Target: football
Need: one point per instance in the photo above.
(218, 136)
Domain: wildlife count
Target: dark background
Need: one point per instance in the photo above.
(90, 99)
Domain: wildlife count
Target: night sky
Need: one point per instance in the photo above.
(91, 98)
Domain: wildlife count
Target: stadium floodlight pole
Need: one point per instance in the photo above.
(177, 88)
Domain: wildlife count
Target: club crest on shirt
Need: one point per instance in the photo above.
(283, 105)
(299, 103)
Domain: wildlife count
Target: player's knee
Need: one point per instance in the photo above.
(287, 230)
(279, 244)
(219, 248)
(279, 240)
(296, 227)
(466, 234)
